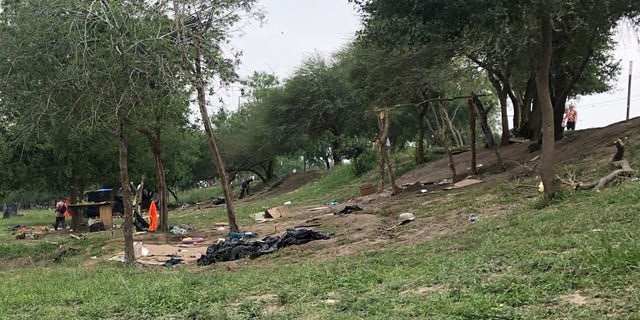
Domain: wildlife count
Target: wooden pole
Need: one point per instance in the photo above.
(472, 127)
(629, 89)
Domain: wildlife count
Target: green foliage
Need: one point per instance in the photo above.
(364, 162)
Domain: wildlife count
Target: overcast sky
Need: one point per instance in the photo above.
(292, 31)
(607, 108)
(295, 29)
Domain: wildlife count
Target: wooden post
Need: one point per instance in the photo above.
(472, 127)
(383, 125)
(445, 145)
(380, 143)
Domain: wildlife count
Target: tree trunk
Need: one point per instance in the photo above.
(524, 126)
(502, 97)
(547, 160)
(156, 146)
(445, 145)
(421, 133)
(484, 124)
(383, 126)
(175, 196)
(335, 152)
(381, 142)
(75, 191)
(449, 125)
(155, 143)
(127, 228)
(202, 102)
(472, 130)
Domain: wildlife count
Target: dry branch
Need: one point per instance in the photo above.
(624, 171)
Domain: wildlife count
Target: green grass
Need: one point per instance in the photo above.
(516, 262)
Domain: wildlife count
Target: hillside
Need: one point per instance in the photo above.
(583, 154)
(485, 251)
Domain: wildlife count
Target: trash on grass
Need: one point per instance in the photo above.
(238, 249)
(404, 218)
(178, 230)
(348, 209)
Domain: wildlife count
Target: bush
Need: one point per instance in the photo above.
(364, 162)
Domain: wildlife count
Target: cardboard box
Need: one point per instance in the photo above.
(277, 212)
(367, 189)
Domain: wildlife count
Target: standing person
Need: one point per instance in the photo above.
(245, 187)
(571, 117)
(61, 208)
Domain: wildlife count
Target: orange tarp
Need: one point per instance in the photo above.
(67, 214)
(154, 216)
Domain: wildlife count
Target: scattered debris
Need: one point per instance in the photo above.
(65, 252)
(404, 218)
(189, 240)
(464, 183)
(171, 262)
(177, 230)
(242, 235)
(277, 212)
(238, 249)
(348, 209)
(81, 236)
(24, 232)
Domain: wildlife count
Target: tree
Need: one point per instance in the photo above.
(544, 99)
(581, 42)
(316, 102)
(246, 136)
(102, 65)
(202, 27)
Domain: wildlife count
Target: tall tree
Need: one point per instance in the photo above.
(202, 29)
(581, 41)
(317, 103)
(544, 99)
(103, 64)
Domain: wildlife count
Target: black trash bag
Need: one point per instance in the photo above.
(348, 209)
(234, 249)
(98, 226)
(218, 201)
(140, 223)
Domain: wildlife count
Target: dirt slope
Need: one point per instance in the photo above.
(364, 230)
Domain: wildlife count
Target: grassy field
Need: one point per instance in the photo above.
(576, 258)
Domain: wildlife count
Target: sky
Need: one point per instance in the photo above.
(603, 109)
(292, 31)
(296, 29)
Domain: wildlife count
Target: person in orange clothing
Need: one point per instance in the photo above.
(570, 117)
